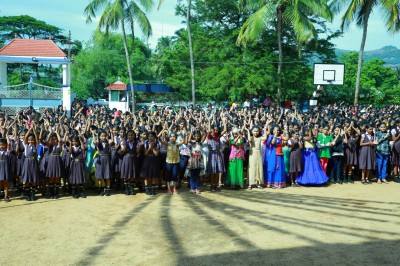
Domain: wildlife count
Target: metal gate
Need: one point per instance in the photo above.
(17, 97)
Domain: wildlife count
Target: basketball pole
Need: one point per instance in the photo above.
(315, 95)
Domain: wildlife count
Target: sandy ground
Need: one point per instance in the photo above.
(337, 225)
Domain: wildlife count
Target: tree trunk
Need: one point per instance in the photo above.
(361, 54)
(128, 62)
(280, 60)
(189, 2)
(133, 33)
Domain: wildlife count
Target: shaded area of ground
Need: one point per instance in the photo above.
(348, 224)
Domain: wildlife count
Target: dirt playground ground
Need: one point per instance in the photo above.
(337, 225)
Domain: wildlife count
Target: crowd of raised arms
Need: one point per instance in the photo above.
(160, 148)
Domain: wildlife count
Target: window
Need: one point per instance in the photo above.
(115, 96)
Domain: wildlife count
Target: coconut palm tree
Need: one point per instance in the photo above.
(277, 13)
(189, 4)
(360, 11)
(114, 15)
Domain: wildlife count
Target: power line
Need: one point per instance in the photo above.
(226, 63)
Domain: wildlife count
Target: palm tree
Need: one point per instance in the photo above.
(114, 16)
(189, 3)
(276, 13)
(360, 11)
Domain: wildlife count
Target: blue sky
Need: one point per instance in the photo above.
(68, 15)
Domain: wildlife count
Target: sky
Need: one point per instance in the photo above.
(68, 15)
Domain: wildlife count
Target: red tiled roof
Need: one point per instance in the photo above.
(31, 47)
(118, 86)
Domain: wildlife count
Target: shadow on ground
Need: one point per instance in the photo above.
(372, 245)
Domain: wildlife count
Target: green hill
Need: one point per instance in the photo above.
(389, 54)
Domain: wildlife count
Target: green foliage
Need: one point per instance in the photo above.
(15, 78)
(47, 82)
(103, 61)
(26, 27)
(225, 71)
(379, 84)
(389, 54)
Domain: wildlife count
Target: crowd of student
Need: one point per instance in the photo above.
(263, 147)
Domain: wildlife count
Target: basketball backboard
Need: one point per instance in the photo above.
(328, 74)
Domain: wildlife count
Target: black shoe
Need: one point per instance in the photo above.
(33, 195)
(148, 191)
(132, 190)
(100, 192)
(153, 190)
(75, 194)
(28, 194)
(108, 192)
(126, 187)
(396, 179)
(2, 195)
(21, 191)
(140, 187)
(82, 194)
(57, 192)
(52, 192)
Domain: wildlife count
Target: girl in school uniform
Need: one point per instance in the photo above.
(150, 170)
(350, 152)
(129, 153)
(77, 177)
(367, 157)
(54, 168)
(20, 151)
(119, 140)
(66, 161)
(43, 153)
(5, 149)
(296, 161)
(103, 162)
(30, 173)
(13, 156)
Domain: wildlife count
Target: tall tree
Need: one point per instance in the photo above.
(27, 27)
(115, 13)
(89, 76)
(297, 14)
(360, 11)
(189, 5)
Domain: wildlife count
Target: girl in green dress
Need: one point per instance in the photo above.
(235, 177)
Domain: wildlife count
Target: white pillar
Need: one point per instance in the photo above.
(65, 76)
(67, 99)
(3, 74)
